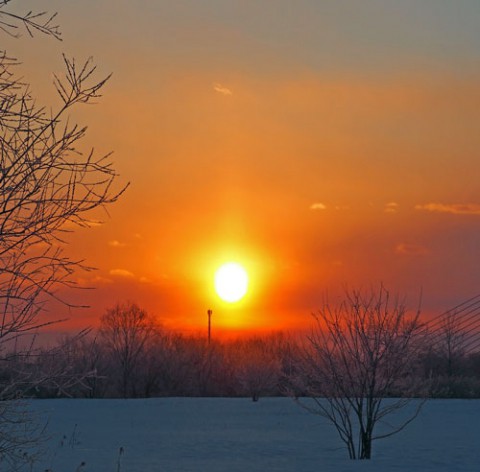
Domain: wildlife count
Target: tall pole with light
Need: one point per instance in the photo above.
(209, 313)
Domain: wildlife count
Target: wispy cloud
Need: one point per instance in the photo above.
(115, 243)
(453, 208)
(93, 281)
(318, 206)
(410, 249)
(101, 280)
(221, 89)
(121, 273)
(391, 207)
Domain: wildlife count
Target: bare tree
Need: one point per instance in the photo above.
(47, 187)
(451, 343)
(90, 359)
(446, 360)
(174, 366)
(258, 367)
(126, 330)
(360, 353)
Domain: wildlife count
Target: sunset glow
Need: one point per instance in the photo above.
(231, 282)
(320, 145)
(215, 200)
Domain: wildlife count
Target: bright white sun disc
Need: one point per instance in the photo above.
(231, 282)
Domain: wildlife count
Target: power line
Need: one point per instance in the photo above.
(462, 321)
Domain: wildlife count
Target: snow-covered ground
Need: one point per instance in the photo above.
(229, 435)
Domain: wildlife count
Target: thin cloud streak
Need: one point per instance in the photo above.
(391, 207)
(318, 206)
(221, 89)
(121, 273)
(452, 208)
(410, 249)
(116, 243)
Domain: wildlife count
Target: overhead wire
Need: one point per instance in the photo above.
(463, 321)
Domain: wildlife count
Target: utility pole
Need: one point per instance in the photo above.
(209, 313)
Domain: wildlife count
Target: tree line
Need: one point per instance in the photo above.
(131, 355)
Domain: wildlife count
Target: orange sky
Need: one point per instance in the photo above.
(320, 144)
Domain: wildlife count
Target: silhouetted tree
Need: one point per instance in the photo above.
(446, 360)
(359, 353)
(258, 367)
(126, 330)
(450, 346)
(47, 186)
(174, 367)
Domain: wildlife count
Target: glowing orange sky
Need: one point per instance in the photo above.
(320, 145)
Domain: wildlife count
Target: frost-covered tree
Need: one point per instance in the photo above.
(258, 367)
(47, 187)
(358, 368)
(127, 331)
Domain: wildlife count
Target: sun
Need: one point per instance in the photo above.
(231, 282)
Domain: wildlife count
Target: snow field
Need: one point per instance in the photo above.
(238, 435)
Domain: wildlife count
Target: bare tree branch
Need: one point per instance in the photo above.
(48, 186)
(41, 22)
